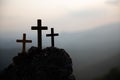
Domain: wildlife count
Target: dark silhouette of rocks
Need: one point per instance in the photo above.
(47, 64)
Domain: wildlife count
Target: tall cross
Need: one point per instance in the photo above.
(24, 41)
(39, 29)
(52, 36)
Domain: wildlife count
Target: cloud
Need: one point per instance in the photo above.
(114, 2)
(84, 19)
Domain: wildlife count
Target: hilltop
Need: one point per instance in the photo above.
(48, 64)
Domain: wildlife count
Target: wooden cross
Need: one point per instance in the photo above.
(39, 29)
(52, 36)
(24, 41)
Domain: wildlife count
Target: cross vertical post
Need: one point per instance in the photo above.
(24, 38)
(39, 34)
(24, 41)
(52, 35)
(39, 29)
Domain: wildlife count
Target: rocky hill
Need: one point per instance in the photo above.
(47, 64)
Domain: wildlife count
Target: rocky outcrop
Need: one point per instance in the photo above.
(48, 64)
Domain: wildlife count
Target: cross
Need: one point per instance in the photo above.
(39, 29)
(24, 41)
(52, 36)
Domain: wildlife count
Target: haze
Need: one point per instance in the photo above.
(89, 31)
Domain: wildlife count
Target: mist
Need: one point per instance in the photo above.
(96, 50)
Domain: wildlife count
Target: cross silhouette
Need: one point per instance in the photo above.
(24, 41)
(52, 36)
(39, 29)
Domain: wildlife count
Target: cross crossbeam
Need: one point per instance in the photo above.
(52, 35)
(24, 41)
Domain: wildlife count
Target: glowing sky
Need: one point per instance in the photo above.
(63, 15)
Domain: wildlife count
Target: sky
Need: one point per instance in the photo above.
(17, 16)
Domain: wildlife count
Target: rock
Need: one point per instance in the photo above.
(48, 64)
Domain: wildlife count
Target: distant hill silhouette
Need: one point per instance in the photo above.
(114, 74)
(48, 64)
(99, 69)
